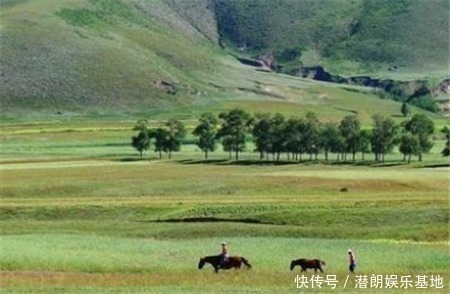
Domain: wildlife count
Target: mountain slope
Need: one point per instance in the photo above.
(128, 56)
(376, 37)
(99, 53)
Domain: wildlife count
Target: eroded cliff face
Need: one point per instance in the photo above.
(399, 90)
(396, 89)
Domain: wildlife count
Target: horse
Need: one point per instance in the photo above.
(308, 263)
(232, 262)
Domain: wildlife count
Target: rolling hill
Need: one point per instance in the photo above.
(375, 37)
(130, 56)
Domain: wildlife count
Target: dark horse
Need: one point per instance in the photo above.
(308, 263)
(215, 260)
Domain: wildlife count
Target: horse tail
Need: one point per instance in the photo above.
(245, 261)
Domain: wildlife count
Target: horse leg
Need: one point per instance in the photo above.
(216, 269)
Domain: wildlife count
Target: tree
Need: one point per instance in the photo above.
(409, 145)
(350, 128)
(176, 134)
(312, 134)
(384, 136)
(446, 150)
(331, 138)
(141, 142)
(161, 136)
(405, 109)
(277, 131)
(235, 126)
(227, 144)
(294, 136)
(262, 134)
(206, 131)
(423, 127)
(141, 125)
(364, 142)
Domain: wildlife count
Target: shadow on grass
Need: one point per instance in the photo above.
(243, 162)
(209, 219)
(437, 165)
(365, 163)
(132, 159)
(307, 162)
(204, 161)
(388, 164)
(257, 162)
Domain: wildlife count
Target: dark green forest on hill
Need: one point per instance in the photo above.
(349, 37)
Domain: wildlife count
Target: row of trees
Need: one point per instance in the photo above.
(167, 138)
(274, 135)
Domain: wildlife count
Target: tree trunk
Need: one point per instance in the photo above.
(170, 154)
(160, 155)
(206, 153)
(237, 154)
(326, 155)
(140, 153)
(420, 156)
(353, 156)
(409, 158)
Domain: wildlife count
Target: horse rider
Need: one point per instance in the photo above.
(352, 261)
(224, 254)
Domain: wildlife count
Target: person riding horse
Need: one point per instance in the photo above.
(224, 256)
(215, 260)
(223, 260)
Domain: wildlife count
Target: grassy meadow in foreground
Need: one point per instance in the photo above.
(80, 213)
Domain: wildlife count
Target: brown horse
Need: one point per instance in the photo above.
(215, 260)
(308, 263)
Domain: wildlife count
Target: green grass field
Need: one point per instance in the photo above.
(80, 213)
(108, 58)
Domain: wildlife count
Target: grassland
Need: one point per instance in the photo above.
(80, 213)
(107, 58)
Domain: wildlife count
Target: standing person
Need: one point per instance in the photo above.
(352, 261)
(224, 255)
